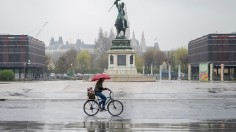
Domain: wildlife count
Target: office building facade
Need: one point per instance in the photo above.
(23, 54)
(215, 49)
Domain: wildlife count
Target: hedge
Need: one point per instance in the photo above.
(7, 75)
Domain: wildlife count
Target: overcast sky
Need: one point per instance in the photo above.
(173, 22)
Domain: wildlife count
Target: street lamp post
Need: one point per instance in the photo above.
(28, 63)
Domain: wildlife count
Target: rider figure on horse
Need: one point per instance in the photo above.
(121, 22)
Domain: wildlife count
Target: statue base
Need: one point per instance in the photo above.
(116, 76)
(121, 44)
(121, 63)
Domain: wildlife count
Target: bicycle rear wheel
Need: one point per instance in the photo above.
(115, 107)
(91, 107)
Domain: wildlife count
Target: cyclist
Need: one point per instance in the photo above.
(98, 92)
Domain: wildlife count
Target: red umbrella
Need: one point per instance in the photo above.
(100, 76)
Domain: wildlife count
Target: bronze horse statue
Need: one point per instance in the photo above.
(121, 26)
(121, 22)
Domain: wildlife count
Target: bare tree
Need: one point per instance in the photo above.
(180, 57)
(104, 41)
(84, 61)
(153, 57)
(66, 61)
(102, 45)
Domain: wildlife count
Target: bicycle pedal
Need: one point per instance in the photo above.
(102, 110)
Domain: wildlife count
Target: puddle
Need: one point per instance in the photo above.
(118, 125)
(218, 90)
(17, 94)
(16, 107)
(4, 83)
(26, 90)
(121, 94)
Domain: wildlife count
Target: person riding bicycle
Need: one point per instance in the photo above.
(98, 92)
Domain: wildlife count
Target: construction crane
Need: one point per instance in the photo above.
(41, 29)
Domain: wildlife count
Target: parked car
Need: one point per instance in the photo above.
(79, 76)
(52, 76)
(165, 75)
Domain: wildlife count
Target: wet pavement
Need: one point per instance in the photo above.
(118, 125)
(155, 106)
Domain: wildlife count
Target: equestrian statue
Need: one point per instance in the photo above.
(121, 22)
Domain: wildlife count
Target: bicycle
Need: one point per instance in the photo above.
(114, 107)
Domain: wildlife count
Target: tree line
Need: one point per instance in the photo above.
(74, 61)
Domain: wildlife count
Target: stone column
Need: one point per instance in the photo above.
(169, 72)
(222, 72)
(143, 70)
(127, 60)
(109, 63)
(134, 60)
(115, 60)
(189, 72)
(160, 74)
(151, 70)
(179, 72)
(211, 72)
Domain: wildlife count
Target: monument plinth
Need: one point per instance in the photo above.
(121, 44)
(121, 63)
(121, 56)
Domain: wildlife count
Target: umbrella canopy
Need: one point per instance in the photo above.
(100, 76)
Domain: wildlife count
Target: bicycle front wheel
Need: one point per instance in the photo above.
(91, 107)
(115, 107)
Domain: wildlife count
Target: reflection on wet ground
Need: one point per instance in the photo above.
(163, 106)
(100, 125)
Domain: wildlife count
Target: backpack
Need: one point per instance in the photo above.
(90, 93)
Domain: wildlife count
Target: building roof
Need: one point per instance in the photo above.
(20, 38)
(210, 36)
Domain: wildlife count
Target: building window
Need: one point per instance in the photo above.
(1, 58)
(121, 60)
(14, 58)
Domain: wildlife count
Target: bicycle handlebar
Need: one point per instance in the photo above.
(111, 93)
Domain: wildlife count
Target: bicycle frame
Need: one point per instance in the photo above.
(91, 106)
(109, 99)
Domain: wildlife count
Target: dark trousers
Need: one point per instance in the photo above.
(103, 99)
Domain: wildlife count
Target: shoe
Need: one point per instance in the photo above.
(103, 109)
(100, 108)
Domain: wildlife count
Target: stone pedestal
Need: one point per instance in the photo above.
(121, 62)
(189, 72)
(120, 44)
(222, 72)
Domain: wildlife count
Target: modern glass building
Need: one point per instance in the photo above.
(23, 54)
(215, 49)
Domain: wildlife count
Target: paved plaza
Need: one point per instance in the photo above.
(148, 106)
